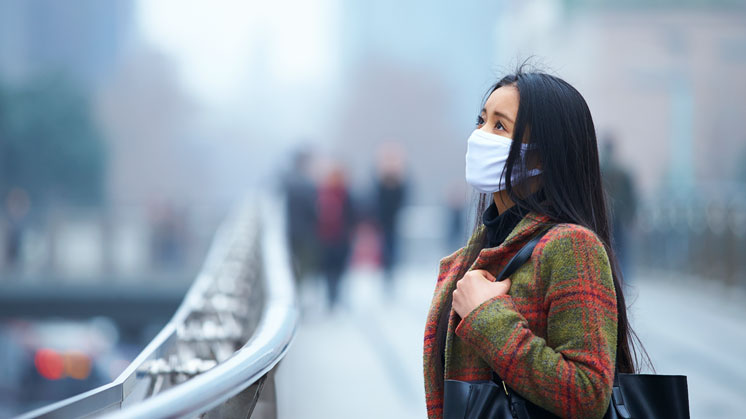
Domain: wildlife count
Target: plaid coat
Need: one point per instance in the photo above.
(552, 338)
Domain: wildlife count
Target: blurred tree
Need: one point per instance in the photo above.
(50, 145)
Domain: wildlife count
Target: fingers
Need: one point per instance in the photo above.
(489, 276)
(504, 284)
(456, 304)
(482, 273)
(502, 287)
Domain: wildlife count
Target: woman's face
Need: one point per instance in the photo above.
(500, 111)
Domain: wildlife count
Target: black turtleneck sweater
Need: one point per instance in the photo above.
(499, 226)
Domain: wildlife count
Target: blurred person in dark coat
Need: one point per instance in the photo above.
(169, 236)
(17, 206)
(391, 192)
(335, 225)
(622, 202)
(300, 194)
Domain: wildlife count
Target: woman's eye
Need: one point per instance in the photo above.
(499, 125)
(480, 120)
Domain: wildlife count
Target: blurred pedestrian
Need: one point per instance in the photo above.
(335, 226)
(17, 206)
(620, 189)
(558, 336)
(301, 214)
(391, 191)
(169, 238)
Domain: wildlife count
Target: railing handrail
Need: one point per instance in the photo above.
(266, 347)
(261, 353)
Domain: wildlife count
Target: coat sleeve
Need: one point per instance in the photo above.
(571, 372)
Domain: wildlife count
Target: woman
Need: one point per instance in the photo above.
(557, 328)
(335, 225)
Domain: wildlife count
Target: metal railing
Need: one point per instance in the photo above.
(700, 237)
(217, 355)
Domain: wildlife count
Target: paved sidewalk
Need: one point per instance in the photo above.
(695, 327)
(365, 359)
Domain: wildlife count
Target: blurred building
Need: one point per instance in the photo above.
(82, 39)
(94, 130)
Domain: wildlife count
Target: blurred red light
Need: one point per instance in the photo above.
(49, 364)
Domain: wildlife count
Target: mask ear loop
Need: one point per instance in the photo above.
(529, 146)
(521, 172)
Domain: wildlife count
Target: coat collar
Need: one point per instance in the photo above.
(527, 228)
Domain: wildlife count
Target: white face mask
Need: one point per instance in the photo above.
(486, 154)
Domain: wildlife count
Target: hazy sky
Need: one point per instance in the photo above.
(219, 48)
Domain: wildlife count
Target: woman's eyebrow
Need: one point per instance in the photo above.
(500, 114)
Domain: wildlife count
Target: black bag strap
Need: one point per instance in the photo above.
(517, 403)
(521, 257)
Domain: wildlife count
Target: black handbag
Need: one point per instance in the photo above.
(638, 396)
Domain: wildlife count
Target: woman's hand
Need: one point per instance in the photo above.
(476, 287)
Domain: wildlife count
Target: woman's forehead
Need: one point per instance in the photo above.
(504, 99)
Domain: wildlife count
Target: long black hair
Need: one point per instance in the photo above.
(556, 121)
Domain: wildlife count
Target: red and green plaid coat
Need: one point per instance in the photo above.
(552, 338)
